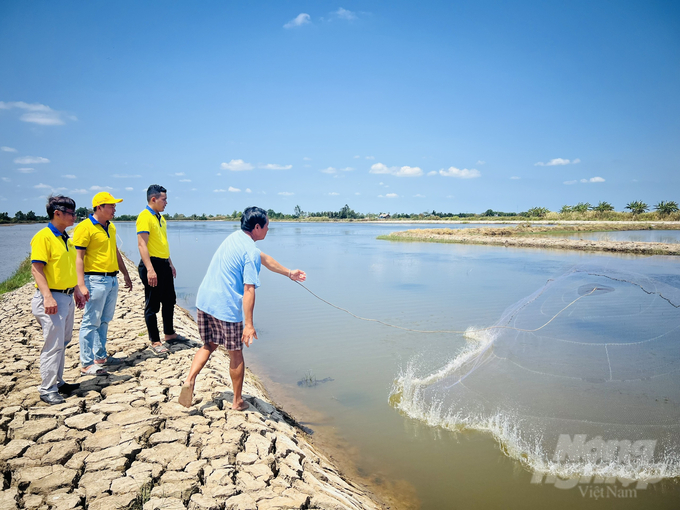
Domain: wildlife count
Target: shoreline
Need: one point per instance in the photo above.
(123, 441)
(546, 237)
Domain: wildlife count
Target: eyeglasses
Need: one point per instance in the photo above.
(67, 211)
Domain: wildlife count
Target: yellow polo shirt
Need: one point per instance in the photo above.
(156, 227)
(99, 243)
(58, 256)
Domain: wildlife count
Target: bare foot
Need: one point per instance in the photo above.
(186, 395)
(242, 406)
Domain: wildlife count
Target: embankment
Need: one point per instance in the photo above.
(546, 237)
(123, 441)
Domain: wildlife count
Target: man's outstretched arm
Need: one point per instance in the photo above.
(270, 263)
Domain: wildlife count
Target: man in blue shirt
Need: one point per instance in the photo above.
(227, 296)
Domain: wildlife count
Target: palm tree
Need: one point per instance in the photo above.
(637, 207)
(666, 208)
(566, 209)
(603, 207)
(581, 207)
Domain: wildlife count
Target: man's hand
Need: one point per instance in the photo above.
(50, 305)
(174, 271)
(297, 275)
(84, 292)
(128, 282)
(249, 334)
(81, 298)
(151, 277)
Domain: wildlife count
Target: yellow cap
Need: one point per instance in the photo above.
(104, 197)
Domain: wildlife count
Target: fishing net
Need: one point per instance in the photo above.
(582, 378)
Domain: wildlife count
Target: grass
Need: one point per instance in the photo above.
(20, 277)
(308, 380)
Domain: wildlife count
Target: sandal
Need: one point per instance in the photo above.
(159, 349)
(93, 370)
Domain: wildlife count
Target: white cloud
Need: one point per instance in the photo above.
(419, 196)
(329, 170)
(101, 188)
(26, 170)
(274, 166)
(480, 162)
(6, 179)
(179, 174)
(236, 165)
(404, 171)
(514, 178)
(298, 21)
(234, 190)
(558, 162)
(333, 194)
(42, 186)
(7, 149)
(125, 176)
(370, 157)
(129, 189)
(593, 179)
(219, 190)
(347, 169)
(79, 191)
(30, 160)
(185, 180)
(38, 113)
(248, 190)
(357, 157)
(68, 176)
(286, 193)
(345, 14)
(306, 159)
(357, 193)
(433, 172)
(461, 174)
(389, 195)
(570, 182)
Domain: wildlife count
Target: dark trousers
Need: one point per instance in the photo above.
(162, 293)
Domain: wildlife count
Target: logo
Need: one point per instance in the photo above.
(598, 452)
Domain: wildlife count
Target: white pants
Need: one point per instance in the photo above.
(57, 332)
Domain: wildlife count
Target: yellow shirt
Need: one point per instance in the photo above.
(99, 243)
(58, 256)
(148, 222)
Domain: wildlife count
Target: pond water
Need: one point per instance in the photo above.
(357, 364)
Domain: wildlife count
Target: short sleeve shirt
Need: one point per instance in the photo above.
(99, 243)
(235, 263)
(56, 251)
(155, 225)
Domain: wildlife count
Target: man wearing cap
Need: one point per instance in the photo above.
(155, 268)
(53, 265)
(97, 264)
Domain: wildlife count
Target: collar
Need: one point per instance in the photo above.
(95, 222)
(157, 215)
(56, 231)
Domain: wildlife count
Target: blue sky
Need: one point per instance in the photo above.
(385, 106)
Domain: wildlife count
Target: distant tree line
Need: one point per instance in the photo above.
(582, 210)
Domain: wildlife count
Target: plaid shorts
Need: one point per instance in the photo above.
(216, 331)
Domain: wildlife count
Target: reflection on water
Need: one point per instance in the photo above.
(418, 286)
(639, 236)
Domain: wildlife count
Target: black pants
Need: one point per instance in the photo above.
(162, 293)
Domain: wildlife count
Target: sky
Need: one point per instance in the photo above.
(456, 106)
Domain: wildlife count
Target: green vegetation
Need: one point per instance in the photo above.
(20, 277)
(582, 211)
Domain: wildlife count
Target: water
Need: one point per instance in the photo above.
(15, 246)
(415, 285)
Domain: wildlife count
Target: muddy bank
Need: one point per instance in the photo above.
(540, 236)
(123, 441)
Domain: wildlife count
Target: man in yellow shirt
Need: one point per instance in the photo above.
(97, 264)
(53, 260)
(155, 268)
